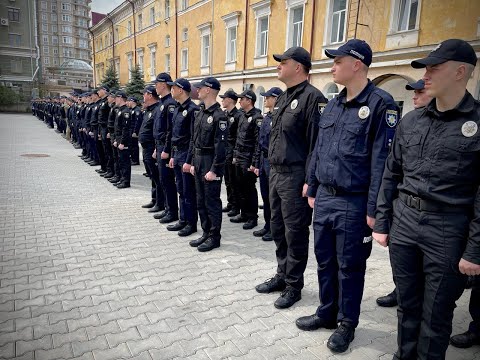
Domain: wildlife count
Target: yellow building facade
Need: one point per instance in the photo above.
(234, 40)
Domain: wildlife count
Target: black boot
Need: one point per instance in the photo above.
(389, 300)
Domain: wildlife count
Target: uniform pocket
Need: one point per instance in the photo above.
(354, 138)
(460, 158)
(412, 150)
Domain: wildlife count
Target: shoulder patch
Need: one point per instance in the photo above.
(222, 124)
(171, 108)
(391, 118)
(259, 122)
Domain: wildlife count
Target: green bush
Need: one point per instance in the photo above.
(8, 96)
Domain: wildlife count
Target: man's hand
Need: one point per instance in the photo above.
(134, 135)
(370, 222)
(170, 163)
(210, 176)
(192, 170)
(382, 239)
(257, 172)
(186, 168)
(121, 147)
(311, 201)
(234, 161)
(115, 143)
(154, 155)
(108, 135)
(304, 191)
(164, 155)
(468, 268)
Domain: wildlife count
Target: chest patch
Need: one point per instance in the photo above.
(363, 112)
(469, 128)
(210, 119)
(294, 104)
(184, 112)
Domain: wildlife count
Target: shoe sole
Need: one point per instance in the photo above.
(341, 350)
(209, 249)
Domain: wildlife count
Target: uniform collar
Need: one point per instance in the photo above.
(233, 111)
(212, 108)
(360, 98)
(166, 97)
(466, 105)
(290, 90)
(151, 107)
(185, 104)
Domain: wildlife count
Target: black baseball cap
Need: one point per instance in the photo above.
(274, 91)
(104, 87)
(417, 85)
(150, 89)
(122, 94)
(249, 94)
(182, 83)
(163, 77)
(132, 98)
(112, 93)
(296, 53)
(452, 49)
(230, 94)
(359, 49)
(210, 82)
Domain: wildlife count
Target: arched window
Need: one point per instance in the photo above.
(331, 90)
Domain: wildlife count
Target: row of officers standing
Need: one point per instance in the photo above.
(411, 185)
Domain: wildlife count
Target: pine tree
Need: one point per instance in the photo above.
(136, 84)
(110, 79)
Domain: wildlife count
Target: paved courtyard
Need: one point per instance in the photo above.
(86, 273)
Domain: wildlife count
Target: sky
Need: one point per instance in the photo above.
(104, 6)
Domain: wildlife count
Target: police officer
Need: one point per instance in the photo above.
(111, 136)
(229, 102)
(292, 138)
(146, 139)
(180, 137)
(102, 116)
(472, 336)
(106, 121)
(420, 99)
(122, 140)
(356, 129)
(162, 124)
(137, 118)
(261, 166)
(428, 207)
(247, 139)
(93, 129)
(208, 147)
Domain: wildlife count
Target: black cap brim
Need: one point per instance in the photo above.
(429, 60)
(280, 57)
(171, 83)
(415, 86)
(333, 53)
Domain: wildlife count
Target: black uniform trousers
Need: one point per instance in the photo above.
(339, 224)
(135, 150)
(231, 183)
(209, 204)
(125, 165)
(185, 183)
(264, 174)
(246, 181)
(116, 166)
(474, 308)
(425, 249)
(100, 150)
(167, 181)
(289, 222)
(107, 149)
(151, 165)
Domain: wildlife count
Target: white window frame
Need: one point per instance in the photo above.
(54, 29)
(167, 41)
(259, 104)
(140, 22)
(183, 4)
(262, 11)
(55, 40)
(167, 63)
(329, 24)
(54, 18)
(46, 50)
(44, 17)
(46, 60)
(66, 7)
(45, 39)
(395, 20)
(66, 18)
(45, 27)
(291, 5)
(184, 59)
(43, 5)
(205, 51)
(67, 40)
(117, 65)
(167, 9)
(129, 64)
(67, 29)
(231, 23)
(129, 27)
(153, 61)
(406, 38)
(185, 34)
(140, 58)
(152, 16)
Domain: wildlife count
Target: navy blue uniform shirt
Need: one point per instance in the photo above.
(163, 120)
(182, 128)
(353, 142)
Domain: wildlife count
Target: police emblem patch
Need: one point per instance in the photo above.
(162, 107)
(171, 108)
(210, 119)
(321, 107)
(127, 115)
(392, 118)
(259, 122)
(363, 112)
(232, 119)
(184, 112)
(249, 119)
(294, 104)
(222, 124)
(469, 128)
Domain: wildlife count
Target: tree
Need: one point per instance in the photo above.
(110, 78)
(136, 84)
(8, 96)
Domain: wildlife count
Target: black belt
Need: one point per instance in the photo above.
(204, 151)
(287, 168)
(420, 204)
(179, 148)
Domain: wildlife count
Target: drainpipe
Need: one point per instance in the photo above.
(247, 2)
(211, 37)
(312, 33)
(113, 37)
(134, 33)
(37, 59)
(176, 43)
(93, 51)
